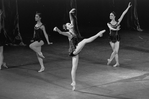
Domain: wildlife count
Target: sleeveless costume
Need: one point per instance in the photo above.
(2, 38)
(73, 42)
(76, 37)
(114, 36)
(39, 35)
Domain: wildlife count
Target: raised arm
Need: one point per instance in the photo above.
(60, 32)
(123, 14)
(45, 34)
(71, 15)
(111, 28)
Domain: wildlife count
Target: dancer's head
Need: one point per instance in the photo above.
(68, 26)
(112, 15)
(37, 16)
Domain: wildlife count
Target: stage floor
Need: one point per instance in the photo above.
(95, 80)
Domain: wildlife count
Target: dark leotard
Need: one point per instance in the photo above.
(2, 38)
(114, 36)
(73, 42)
(39, 35)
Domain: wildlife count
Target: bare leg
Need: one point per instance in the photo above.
(85, 41)
(116, 54)
(40, 59)
(1, 56)
(75, 61)
(36, 46)
(41, 64)
(113, 53)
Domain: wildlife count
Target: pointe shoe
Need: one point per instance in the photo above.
(41, 70)
(51, 43)
(116, 65)
(73, 86)
(109, 61)
(101, 33)
(4, 65)
(40, 55)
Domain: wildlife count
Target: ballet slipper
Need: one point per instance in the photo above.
(109, 61)
(116, 65)
(41, 70)
(73, 86)
(4, 65)
(100, 34)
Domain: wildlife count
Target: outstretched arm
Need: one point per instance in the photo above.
(123, 14)
(111, 28)
(60, 32)
(45, 34)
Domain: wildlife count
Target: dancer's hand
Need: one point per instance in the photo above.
(72, 10)
(55, 29)
(129, 5)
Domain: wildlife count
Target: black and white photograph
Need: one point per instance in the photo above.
(74, 49)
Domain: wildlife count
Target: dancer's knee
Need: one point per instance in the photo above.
(116, 52)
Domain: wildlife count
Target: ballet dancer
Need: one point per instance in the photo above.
(40, 37)
(2, 43)
(74, 45)
(114, 27)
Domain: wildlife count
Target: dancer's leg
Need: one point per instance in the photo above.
(75, 60)
(1, 56)
(113, 53)
(116, 53)
(85, 41)
(34, 46)
(40, 59)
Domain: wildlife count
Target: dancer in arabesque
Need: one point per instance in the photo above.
(75, 46)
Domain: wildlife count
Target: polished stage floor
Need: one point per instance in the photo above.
(95, 80)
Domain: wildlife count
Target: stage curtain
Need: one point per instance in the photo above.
(132, 17)
(11, 22)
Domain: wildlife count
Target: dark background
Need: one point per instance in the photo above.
(92, 14)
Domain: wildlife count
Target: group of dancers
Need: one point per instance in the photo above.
(76, 43)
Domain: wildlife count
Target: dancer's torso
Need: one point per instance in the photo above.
(39, 35)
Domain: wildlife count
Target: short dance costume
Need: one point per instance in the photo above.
(2, 38)
(73, 42)
(114, 36)
(76, 37)
(39, 35)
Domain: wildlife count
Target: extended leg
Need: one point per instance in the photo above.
(85, 41)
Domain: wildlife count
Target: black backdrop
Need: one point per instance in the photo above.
(91, 13)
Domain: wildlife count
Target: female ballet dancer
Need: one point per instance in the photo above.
(40, 38)
(74, 45)
(2, 43)
(114, 27)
